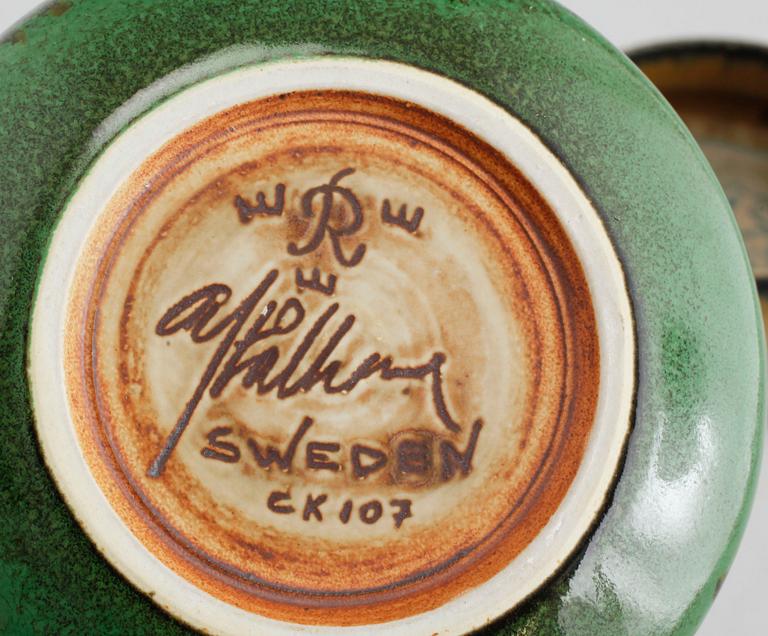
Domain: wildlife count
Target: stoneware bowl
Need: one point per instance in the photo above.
(384, 317)
(721, 91)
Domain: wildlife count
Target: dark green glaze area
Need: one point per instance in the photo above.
(670, 533)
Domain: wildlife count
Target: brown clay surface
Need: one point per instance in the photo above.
(333, 359)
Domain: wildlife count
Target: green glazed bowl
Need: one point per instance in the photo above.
(639, 508)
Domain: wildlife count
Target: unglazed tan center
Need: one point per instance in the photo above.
(332, 358)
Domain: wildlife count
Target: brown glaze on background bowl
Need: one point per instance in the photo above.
(418, 256)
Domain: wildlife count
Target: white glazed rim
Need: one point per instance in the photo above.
(586, 496)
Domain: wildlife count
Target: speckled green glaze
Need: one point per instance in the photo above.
(654, 561)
